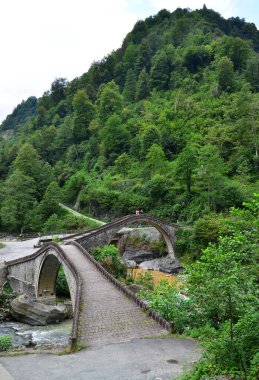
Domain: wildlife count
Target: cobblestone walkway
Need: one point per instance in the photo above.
(107, 315)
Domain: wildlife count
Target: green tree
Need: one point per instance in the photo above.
(130, 86)
(34, 218)
(57, 92)
(144, 57)
(223, 285)
(155, 160)
(142, 86)
(196, 56)
(110, 101)
(114, 139)
(19, 197)
(150, 136)
(225, 71)
(44, 141)
(29, 163)
(160, 71)
(252, 72)
(186, 164)
(51, 199)
(84, 112)
(28, 160)
(237, 49)
(122, 164)
(211, 175)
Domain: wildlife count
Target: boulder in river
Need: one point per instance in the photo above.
(137, 255)
(165, 264)
(131, 264)
(32, 312)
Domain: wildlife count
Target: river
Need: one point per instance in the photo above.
(21, 333)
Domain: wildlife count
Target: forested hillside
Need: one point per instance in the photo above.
(168, 123)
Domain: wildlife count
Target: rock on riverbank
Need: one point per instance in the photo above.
(35, 313)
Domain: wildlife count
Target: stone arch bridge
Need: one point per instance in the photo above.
(104, 310)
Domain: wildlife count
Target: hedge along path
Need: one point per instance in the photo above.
(109, 313)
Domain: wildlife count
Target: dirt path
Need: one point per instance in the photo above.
(81, 215)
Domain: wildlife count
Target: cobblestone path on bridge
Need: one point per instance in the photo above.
(107, 315)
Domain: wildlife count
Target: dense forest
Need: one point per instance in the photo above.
(169, 123)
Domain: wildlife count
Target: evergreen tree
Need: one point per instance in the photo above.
(142, 86)
(130, 86)
(110, 101)
(58, 90)
(185, 165)
(29, 163)
(19, 196)
(211, 172)
(144, 57)
(114, 139)
(150, 136)
(160, 71)
(252, 73)
(84, 112)
(155, 160)
(50, 202)
(122, 164)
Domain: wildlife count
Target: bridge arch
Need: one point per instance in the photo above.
(46, 277)
(167, 235)
(106, 234)
(31, 274)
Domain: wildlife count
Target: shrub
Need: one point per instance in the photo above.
(167, 301)
(56, 239)
(145, 280)
(62, 289)
(109, 257)
(5, 342)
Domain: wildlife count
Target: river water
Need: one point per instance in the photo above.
(21, 333)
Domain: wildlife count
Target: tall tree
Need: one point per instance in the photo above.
(185, 165)
(252, 72)
(57, 91)
(114, 139)
(144, 57)
(19, 196)
(160, 71)
(50, 202)
(155, 160)
(130, 86)
(211, 174)
(110, 101)
(225, 74)
(150, 136)
(142, 86)
(29, 163)
(84, 112)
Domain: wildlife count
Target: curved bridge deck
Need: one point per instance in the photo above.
(106, 314)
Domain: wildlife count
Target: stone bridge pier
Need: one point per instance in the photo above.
(35, 276)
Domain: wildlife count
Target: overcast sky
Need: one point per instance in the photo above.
(45, 39)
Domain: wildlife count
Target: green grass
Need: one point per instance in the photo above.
(2, 245)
